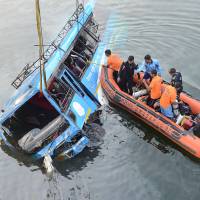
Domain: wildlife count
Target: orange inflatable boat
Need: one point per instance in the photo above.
(175, 132)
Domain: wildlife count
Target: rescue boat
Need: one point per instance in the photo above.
(176, 132)
(50, 124)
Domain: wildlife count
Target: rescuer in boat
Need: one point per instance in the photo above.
(154, 88)
(126, 73)
(147, 66)
(114, 62)
(176, 80)
(196, 127)
(168, 97)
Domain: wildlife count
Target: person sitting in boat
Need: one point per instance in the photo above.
(168, 97)
(126, 73)
(154, 88)
(196, 127)
(176, 80)
(147, 66)
(114, 62)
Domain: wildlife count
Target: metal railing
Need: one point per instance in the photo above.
(30, 68)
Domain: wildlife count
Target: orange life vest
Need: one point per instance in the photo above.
(155, 86)
(114, 62)
(168, 96)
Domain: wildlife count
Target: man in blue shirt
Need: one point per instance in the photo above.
(148, 65)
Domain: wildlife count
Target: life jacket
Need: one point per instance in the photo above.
(155, 86)
(168, 96)
(114, 62)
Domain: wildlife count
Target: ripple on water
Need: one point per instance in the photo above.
(133, 162)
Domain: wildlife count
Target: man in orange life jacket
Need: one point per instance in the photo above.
(154, 88)
(114, 62)
(168, 97)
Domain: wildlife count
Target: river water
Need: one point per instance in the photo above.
(134, 162)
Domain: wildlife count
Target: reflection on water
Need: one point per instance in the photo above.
(65, 168)
(21, 158)
(144, 132)
(133, 161)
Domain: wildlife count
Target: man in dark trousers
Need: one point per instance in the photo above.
(113, 62)
(176, 80)
(126, 74)
(196, 126)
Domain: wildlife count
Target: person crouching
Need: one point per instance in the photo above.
(154, 88)
(168, 97)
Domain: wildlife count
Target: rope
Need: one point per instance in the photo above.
(41, 46)
(93, 63)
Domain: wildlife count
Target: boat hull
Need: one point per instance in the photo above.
(157, 121)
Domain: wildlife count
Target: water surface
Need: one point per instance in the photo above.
(134, 162)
